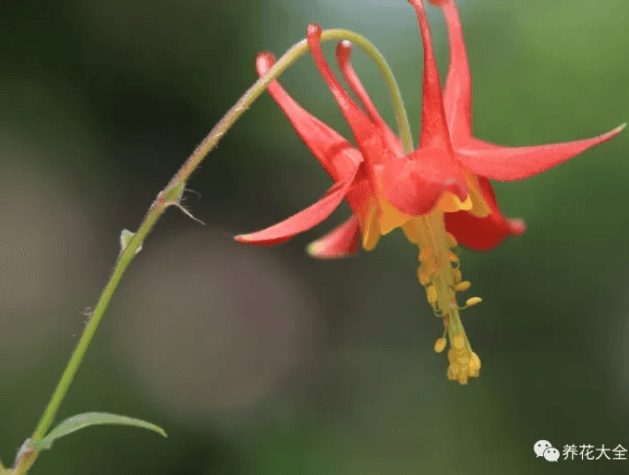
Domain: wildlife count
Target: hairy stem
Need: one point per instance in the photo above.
(171, 195)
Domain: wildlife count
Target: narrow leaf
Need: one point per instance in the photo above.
(81, 421)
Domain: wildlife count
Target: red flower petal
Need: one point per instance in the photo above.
(457, 97)
(516, 163)
(367, 137)
(302, 221)
(336, 155)
(343, 57)
(342, 241)
(360, 193)
(483, 234)
(414, 185)
(434, 130)
(486, 159)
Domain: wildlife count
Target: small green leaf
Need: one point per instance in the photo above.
(125, 239)
(81, 421)
(173, 195)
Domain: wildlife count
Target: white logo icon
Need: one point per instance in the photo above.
(545, 449)
(540, 446)
(551, 454)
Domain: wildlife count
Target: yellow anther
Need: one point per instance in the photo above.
(452, 372)
(464, 359)
(440, 345)
(423, 276)
(451, 240)
(431, 294)
(462, 286)
(458, 342)
(452, 257)
(463, 379)
(425, 253)
(430, 265)
(452, 355)
(473, 301)
(474, 365)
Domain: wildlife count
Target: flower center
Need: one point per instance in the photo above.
(440, 275)
(379, 217)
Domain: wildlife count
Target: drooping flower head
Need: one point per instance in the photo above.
(377, 146)
(438, 195)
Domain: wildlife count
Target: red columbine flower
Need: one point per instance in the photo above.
(387, 189)
(357, 172)
(485, 159)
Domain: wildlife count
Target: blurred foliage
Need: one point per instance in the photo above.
(264, 361)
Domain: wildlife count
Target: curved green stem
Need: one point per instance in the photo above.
(171, 195)
(278, 68)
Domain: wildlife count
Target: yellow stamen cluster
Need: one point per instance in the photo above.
(441, 277)
(464, 363)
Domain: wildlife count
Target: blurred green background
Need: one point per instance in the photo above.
(263, 360)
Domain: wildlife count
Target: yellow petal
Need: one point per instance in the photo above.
(390, 217)
(450, 203)
(411, 231)
(368, 221)
(479, 206)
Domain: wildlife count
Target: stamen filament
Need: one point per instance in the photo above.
(439, 274)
